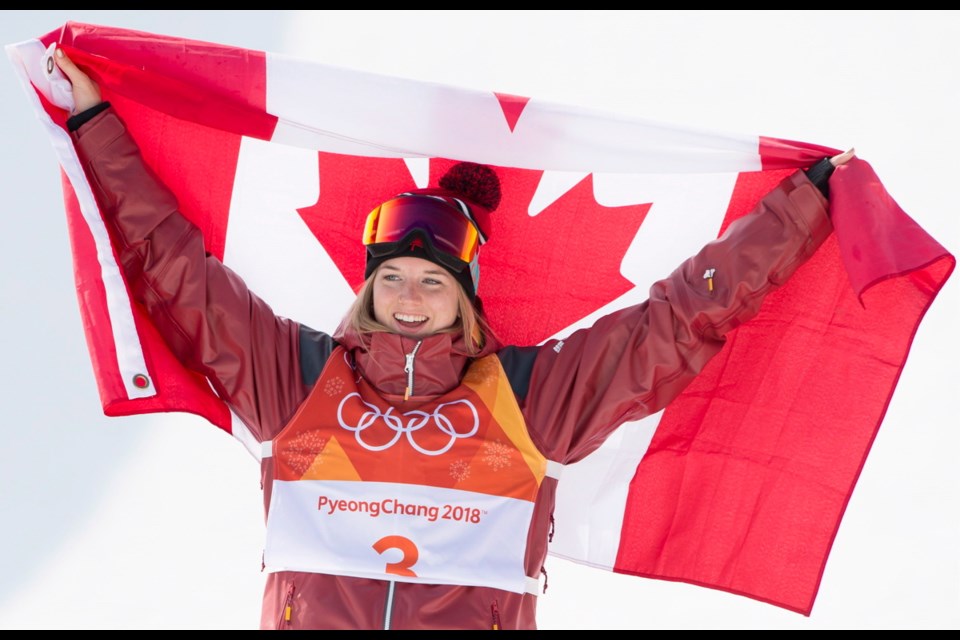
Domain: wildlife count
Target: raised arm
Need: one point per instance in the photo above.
(633, 362)
(204, 311)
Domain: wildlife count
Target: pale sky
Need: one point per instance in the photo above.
(155, 522)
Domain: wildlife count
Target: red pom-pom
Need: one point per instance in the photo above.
(477, 182)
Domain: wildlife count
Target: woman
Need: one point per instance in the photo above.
(410, 460)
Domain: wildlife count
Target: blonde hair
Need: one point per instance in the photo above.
(360, 317)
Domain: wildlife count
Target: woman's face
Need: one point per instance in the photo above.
(414, 297)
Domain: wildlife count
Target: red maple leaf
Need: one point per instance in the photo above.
(538, 274)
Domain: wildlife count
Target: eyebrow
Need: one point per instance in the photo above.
(433, 272)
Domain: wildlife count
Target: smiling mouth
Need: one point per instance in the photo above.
(409, 320)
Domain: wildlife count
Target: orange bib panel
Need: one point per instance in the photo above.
(436, 490)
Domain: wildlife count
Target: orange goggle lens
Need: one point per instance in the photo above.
(449, 229)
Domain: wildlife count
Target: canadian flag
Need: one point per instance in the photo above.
(740, 484)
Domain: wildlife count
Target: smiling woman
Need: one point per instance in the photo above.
(422, 259)
(370, 312)
(413, 400)
(414, 297)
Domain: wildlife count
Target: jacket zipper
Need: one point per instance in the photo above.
(286, 614)
(408, 368)
(495, 616)
(388, 610)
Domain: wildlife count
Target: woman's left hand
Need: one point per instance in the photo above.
(842, 158)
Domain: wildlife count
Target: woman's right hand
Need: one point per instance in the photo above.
(86, 93)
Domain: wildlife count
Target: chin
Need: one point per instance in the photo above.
(407, 333)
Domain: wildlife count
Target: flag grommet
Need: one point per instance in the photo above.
(141, 381)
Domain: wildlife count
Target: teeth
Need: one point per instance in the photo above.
(403, 317)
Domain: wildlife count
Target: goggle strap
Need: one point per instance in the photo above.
(466, 211)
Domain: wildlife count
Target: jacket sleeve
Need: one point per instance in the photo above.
(633, 362)
(211, 321)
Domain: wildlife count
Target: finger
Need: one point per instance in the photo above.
(86, 93)
(842, 158)
(65, 63)
(69, 67)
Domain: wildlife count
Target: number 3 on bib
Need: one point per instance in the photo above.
(406, 546)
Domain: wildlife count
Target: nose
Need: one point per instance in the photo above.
(410, 291)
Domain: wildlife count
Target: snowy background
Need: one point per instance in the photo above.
(156, 522)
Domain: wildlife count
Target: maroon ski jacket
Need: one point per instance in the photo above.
(573, 393)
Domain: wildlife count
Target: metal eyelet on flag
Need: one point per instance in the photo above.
(140, 381)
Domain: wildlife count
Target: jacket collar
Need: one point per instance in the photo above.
(439, 363)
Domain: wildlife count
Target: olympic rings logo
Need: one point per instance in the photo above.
(406, 424)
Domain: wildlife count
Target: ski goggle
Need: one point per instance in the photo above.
(445, 222)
